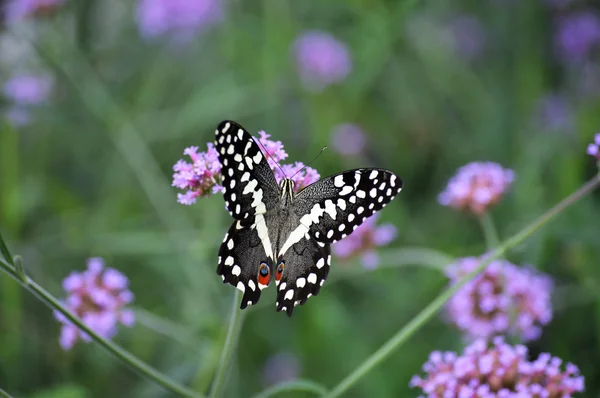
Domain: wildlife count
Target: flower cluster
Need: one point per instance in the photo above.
(578, 34)
(202, 176)
(477, 186)
(322, 59)
(18, 9)
(348, 139)
(98, 296)
(499, 370)
(182, 18)
(364, 240)
(502, 299)
(25, 91)
(594, 149)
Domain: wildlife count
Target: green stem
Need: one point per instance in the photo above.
(118, 352)
(231, 341)
(4, 394)
(428, 312)
(489, 231)
(296, 385)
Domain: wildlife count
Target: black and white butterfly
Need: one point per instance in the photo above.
(282, 235)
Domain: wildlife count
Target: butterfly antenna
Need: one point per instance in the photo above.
(264, 150)
(308, 164)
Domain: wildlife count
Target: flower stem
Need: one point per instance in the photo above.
(490, 233)
(231, 341)
(428, 312)
(4, 394)
(124, 356)
(296, 385)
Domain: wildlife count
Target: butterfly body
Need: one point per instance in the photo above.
(283, 236)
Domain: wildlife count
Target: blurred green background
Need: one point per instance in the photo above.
(90, 175)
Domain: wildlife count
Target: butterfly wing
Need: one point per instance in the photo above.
(333, 207)
(240, 256)
(306, 268)
(249, 186)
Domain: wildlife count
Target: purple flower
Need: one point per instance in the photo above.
(498, 370)
(182, 18)
(466, 35)
(98, 296)
(594, 149)
(280, 368)
(364, 241)
(554, 113)
(199, 178)
(19, 9)
(273, 149)
(577, 35)
(301, 179)
(503, 299)
(26, 89)
(322, 59)
(348, 139)
(477, 186)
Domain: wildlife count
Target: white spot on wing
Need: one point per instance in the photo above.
(289, 294)
(319, 264)
(312, 278)
(241, 287)
(346, 190)
(251, 285)
(229, 261)
(339, 181)
(236, 270)
(226, 127)
(373, 174)
(301, 282)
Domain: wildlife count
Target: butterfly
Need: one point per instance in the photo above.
(281, 235)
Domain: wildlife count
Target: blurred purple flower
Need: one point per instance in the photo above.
(26, 89)
(466, 35)
(577, 35)
(181, 18)
(594, 149)
(322, 59)
(503, 299)
(477, 186)
(499, 370)
(280, 368)
(301, 178)
(200, 178)
(274, 149)
(98, 296)
(364, 240)
(18, 116)
(554, 114)
(16, 10)
(348, 139)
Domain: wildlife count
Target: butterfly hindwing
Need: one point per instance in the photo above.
(249, 186)
(240, 256)
(335, 206)
(306, 269)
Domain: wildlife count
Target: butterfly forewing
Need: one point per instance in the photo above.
(240, 257)
(249, 186)
(335, 206)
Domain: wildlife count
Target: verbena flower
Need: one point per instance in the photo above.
(322, 59)
(293, 171)
(578, 34)
(594, 149)
(365, 240)
(281, 367)
(497, 370)
(199, 178)
(181, 18)
(98, 296)
(16, 10)
(273, 149)
(28, 89)
(348, 139)
(503, 299)
(477, 186)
